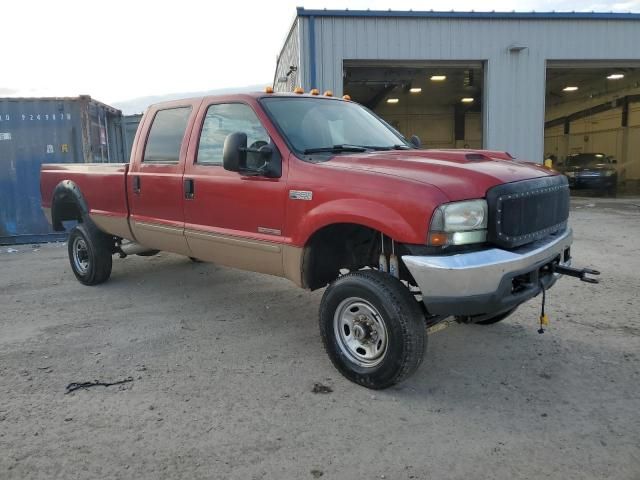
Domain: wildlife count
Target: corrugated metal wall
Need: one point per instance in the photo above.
(289, 57)
(54, 130)
(515, 81)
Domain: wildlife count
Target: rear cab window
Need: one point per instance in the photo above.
(166, 135)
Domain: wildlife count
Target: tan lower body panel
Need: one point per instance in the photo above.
(292, 263)
(112, 224)
(160, 237)
(246, 254)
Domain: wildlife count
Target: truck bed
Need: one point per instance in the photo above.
(102, 186)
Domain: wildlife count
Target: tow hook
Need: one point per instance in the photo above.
(580, 273)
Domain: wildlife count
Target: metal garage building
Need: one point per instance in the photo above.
(533, 84)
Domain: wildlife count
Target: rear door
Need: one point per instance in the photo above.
(155, 189)
(233, 219)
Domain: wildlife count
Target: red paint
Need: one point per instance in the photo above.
(229, 203)
(102, 185)
(394, 192)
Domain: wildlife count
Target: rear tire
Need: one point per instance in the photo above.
(90, 254)
(372, 328)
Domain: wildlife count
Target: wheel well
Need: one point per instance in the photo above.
(344, 246)
(67, 204)
(333, 247)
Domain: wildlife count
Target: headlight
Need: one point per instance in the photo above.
(459, 223)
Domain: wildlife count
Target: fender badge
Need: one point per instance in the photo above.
(269, 231)
(300, 195)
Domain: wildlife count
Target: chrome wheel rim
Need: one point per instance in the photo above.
(80, 255)
(360, 331)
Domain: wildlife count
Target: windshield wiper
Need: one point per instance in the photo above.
(387, 148)
(336, 149)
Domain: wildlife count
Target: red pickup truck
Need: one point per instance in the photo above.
(321, 191)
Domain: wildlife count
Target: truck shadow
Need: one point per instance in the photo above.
(507, 365)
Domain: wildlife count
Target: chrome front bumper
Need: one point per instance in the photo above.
(482, 282)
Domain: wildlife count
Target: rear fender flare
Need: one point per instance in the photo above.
(67, 192)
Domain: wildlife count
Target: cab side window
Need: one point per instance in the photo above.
(166, 134)
(223, 119)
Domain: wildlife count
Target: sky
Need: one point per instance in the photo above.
(120, 50)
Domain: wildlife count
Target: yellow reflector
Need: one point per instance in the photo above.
(314, 91)
(346, 97)
(298, 90)
(268, 89)
(328, 93)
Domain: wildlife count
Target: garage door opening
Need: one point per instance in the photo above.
(592, 126)
(439, 102)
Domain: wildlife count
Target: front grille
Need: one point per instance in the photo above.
(526, 211)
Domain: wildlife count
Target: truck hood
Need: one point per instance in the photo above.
(459, 174)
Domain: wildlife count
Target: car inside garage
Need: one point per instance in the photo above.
(592, 125)
(440, 102)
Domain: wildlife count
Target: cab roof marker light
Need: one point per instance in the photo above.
(268, 89)
(346, 97)
(298, 90)
(314, 91)
(328, 93)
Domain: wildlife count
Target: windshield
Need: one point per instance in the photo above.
(587, 160)
(316, 125)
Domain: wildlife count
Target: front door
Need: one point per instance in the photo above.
(233, 219)
(155, 189)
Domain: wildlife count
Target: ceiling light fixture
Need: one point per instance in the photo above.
(569, 89)
(438, 78)
(467, 100)
(415, 90)
(615, 76)
(392, 100)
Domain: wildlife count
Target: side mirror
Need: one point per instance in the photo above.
(263, 160)
(415, 141)
(234, 152)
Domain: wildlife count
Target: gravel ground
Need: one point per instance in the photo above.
(223, 364)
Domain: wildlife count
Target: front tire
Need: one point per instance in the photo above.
(90, 254)
(372, 328)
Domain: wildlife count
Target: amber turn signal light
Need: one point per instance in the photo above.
(298, 90)
(438, 239)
